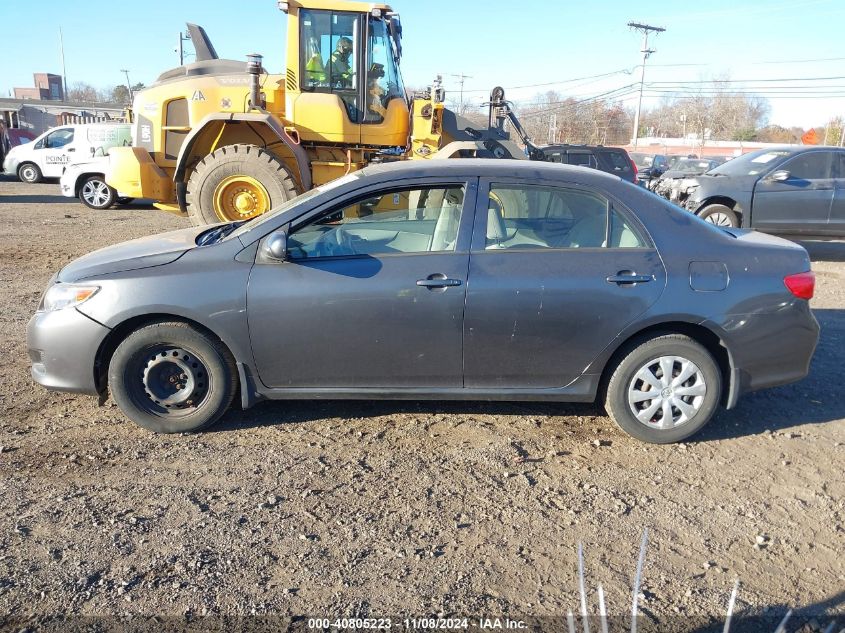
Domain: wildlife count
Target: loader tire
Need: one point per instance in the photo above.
(237, 182)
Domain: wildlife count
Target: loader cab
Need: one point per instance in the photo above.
(343, 83)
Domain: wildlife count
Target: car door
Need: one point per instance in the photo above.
(796, 196)
(371, 294)
(836, 222)
(58, 148)
(550, 283)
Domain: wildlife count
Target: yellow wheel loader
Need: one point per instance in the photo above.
(220, 140)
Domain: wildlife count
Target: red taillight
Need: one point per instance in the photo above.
(801, 284)
(636, 171)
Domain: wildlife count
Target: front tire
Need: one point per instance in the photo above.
(169, 377)
(237, 182)
(720, 215)
(664, 389)
(94, 193)
(30, 173)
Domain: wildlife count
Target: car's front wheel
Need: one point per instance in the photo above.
(664, 389)
(720, 215)
(30, 172)
(96, 194)
(169, 377)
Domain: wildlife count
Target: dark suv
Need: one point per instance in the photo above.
(613, 160)
(791, 190)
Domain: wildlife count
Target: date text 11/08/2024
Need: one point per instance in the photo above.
(417, 623)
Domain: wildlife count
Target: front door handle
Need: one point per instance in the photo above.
(624, 277)
(438, 280)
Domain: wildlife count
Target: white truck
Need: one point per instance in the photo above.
(55, 149)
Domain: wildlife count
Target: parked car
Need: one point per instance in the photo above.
(677, 177)
(788, 190)
(580, 286)
(86, 180)
(613, 160)
(52, 151)
(649, 166)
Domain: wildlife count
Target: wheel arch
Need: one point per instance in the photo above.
(701, 334)
(207, 133)
(119, 333)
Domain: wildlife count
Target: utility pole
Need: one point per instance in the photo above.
(645, 29)
(64, 72)
(183, 37)
(553, 129)
(128, 85)
(461, 79)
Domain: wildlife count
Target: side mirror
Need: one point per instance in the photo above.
(276, 246)
(780, 175)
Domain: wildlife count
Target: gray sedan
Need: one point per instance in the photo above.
(452, 280)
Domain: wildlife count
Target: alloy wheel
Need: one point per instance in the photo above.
(96, 193)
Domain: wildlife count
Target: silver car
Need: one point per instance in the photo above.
(452, 280)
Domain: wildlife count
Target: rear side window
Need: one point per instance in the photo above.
(539, 217)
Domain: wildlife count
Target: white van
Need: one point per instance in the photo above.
(50, 153)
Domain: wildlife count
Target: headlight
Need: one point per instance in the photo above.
(60, 296)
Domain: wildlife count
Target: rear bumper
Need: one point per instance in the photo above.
(769, 349)
(62, 348)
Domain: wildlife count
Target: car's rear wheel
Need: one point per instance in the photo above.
(720, 215)
(29, 172)
(664, 389)
(169, 377)
(94, 193)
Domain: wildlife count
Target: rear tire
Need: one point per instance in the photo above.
(237, 182)
(30, 173)
(720, 215)
(680, 405)
(168, 377)
(94, 193)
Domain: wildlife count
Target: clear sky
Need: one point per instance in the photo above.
(523, 43)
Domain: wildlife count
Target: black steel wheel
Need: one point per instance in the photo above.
(169, 377)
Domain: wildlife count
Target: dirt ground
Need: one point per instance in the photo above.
(388, 509)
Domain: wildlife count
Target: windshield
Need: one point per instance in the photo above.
(751, 164)
(262, 219)
(642, 160)
(692, 165)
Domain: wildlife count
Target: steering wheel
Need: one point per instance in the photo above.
(336, 242)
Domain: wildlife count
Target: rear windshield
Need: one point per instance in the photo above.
(616, 162)
(642, 160)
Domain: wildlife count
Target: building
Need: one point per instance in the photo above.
(37, 116)
(48, 87)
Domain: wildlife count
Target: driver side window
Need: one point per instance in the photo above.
(417, 220)
(59, 138)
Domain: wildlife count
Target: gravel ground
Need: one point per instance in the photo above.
(336, 509)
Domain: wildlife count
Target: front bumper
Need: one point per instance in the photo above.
(63, 348)
(10, 165)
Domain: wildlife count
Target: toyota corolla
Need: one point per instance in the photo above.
(447, 280)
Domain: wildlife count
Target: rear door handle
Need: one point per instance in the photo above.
(438, 280)
(624, 277)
